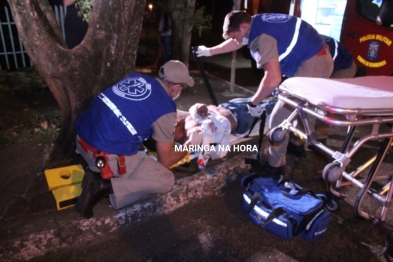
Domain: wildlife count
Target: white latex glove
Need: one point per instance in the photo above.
(255, 111)
(203, 51)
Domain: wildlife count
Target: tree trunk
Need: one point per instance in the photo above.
(183, 13)
(106, 55)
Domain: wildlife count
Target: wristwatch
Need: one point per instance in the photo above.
(250, 104)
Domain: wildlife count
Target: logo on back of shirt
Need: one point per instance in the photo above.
(133, 88)
(275, 18)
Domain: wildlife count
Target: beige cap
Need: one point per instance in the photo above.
(176, 72)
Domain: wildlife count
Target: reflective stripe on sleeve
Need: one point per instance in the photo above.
(335, 49)
(293, 42)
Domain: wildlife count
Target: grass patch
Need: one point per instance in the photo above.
(26, 82)
(26, 124)
(31, 125)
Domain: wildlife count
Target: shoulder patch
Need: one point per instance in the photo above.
(133, 88)
(275, 18)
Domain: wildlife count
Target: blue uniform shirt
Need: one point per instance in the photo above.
(121, 117)
(297, 41)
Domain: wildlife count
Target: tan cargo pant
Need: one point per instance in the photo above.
(316, 66)
(144, 176)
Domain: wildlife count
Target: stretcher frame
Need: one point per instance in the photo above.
(336, 173)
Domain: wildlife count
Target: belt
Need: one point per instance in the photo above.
(106, 172)
(86, 147)
(322, 52)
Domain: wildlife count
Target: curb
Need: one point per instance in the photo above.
(32, 239)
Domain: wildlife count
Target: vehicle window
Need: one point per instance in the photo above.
(369, 8)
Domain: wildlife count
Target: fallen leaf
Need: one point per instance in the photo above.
(44, 124)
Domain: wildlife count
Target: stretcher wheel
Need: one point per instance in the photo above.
(330, 172)
(332, 205)
(277, 134)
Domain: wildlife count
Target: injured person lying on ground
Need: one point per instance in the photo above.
(214, 127)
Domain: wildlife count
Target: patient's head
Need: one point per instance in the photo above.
(180, 131)
(187, 125)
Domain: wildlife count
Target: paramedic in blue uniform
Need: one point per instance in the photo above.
(344, 65)
(282, 45)
(114, 126)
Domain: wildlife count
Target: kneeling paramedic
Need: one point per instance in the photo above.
(110, 132)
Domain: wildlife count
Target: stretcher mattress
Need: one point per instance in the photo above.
(368, 92)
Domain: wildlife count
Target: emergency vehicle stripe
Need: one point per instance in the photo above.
(335, 49)
(117, 112)
(293, 42)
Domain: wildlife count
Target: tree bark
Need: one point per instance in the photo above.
(183, 13)
(106, 55)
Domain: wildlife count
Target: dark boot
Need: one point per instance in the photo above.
(94, 188)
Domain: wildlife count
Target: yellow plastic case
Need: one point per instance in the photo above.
(64, 176)
(65, 184)
(66, 196)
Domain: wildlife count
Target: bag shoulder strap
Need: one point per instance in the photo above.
(274, 214)
(254, 201)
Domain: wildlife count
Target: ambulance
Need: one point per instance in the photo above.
(368, 33)
(365, 27)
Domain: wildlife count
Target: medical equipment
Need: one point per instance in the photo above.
(364, 107)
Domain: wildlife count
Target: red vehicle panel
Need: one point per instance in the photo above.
(370, 44)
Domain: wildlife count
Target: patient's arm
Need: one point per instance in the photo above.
(184, 128)
(220, 111)
(195, 136)
(180, 115)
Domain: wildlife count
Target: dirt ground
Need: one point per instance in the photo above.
(212, 229)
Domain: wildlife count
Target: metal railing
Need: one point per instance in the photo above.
(12, 52)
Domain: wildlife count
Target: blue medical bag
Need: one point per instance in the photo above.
(284, 208)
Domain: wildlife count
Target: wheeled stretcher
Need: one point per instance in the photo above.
(362, 108)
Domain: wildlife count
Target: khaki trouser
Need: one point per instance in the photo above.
(144, 176)
(316, 66)
(349, 72)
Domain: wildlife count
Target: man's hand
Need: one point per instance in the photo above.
(166, 155)
(254, 110)
(203, 51)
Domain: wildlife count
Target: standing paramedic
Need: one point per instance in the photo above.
(112, 129)
(282, 45)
